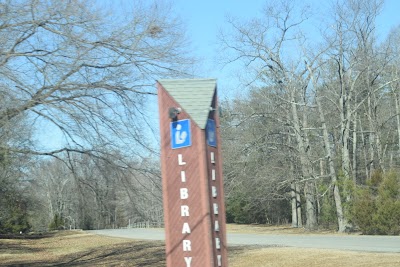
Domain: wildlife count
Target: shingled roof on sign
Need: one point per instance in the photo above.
(193, 95)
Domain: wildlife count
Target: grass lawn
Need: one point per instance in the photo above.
(75, 248)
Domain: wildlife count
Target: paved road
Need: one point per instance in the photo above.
(341, 242)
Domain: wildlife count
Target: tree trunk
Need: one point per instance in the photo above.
(345, 132)
(354, 163)
(298, 205)
(295, 198)
(371, 138)
(396, 101)
(295, 223)
(311, 215)
(365, 152)
(309, 190)
(342, 221)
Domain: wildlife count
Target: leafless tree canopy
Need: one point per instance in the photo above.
(83, 70)
(314, 140)
(88, 73)
(321, 116)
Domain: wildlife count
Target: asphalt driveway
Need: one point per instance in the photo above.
(340, 242)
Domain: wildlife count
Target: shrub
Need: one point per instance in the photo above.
(327, 217)
(237, 210)
(57, 223)
(376, 208)
(363, 210)
(13, 211)
(16, 223)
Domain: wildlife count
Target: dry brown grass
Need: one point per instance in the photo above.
(80, 249)
(71, 248)
(299, 257)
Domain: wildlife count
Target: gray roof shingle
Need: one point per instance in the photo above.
(193, 95)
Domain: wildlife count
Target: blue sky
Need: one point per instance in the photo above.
(205, 18)
(203, 21)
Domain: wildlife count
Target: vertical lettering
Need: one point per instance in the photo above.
(180, 160)
(216, 226)
(215, 205)
(219, 257)
(187, 245)
(184, 211)
(214, 191)
(183, 177)
(213, 174)
(217, 243)
(212, 157)
(188, 260)
(184, 193)
(186, 228)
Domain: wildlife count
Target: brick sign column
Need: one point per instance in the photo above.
(194, 210)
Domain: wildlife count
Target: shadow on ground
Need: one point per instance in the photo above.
(126, 254)
(52, 250)
(29, 236)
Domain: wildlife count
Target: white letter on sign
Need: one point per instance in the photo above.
(188, 260)
(217, 243)
(185, 211)
(180, 160)
(215, 205)
(219, 257)
(184, 193)
(214, 191)
(183, 177)
(216, 226)
(187, 245)
(213, 174)
(185, 228)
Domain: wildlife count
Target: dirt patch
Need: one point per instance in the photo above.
(69, 248)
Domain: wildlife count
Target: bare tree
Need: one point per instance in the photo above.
(261, 45)
(89, 193)
(253, 145)
(393, 74)
(88, 73)
(84, 71)
(332, 97)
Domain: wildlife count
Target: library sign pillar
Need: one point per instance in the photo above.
(193, 196)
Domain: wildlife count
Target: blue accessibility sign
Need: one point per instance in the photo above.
(211, 133)
(180, 134)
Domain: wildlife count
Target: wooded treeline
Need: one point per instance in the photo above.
(313, 140)
(83, 71)
(316, 139)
